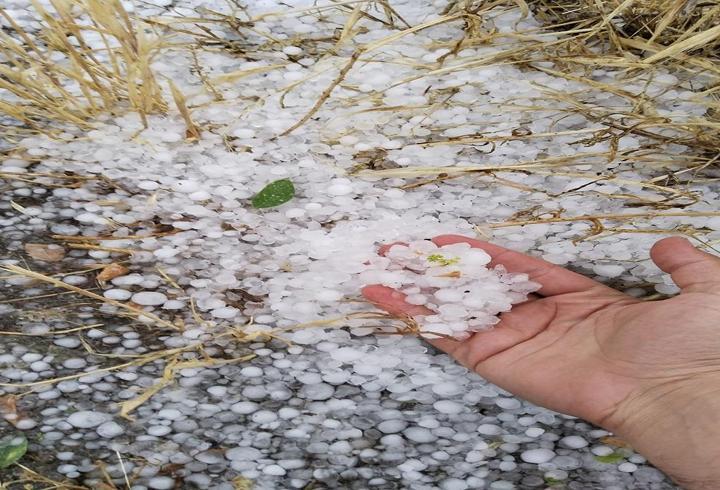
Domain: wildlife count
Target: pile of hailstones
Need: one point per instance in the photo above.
(453, 281)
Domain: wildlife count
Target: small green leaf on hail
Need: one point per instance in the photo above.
(274, 194)
(611, 458)
(12, 448)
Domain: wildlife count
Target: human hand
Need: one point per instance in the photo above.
(648, 371)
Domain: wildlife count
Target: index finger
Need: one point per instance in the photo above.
(553, 278)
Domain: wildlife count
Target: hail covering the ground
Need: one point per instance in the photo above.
(270, 369)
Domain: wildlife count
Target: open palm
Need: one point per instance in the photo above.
(582, 348)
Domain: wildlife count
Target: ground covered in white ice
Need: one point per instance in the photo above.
(254, 362)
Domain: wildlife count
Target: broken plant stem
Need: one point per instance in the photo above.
(57, 283)
(617, 217)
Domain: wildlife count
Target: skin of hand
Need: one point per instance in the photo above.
(649, 371)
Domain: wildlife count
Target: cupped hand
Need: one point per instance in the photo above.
(584, 349)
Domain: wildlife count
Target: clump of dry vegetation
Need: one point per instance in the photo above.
(636, 38)
(54, 74)
(670, 27)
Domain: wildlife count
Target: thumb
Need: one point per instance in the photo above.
(691, 269)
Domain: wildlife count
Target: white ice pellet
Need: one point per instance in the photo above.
(251, 372)
(537, 456)
(39, 366)
(573, 442)
(67, 342)
(392, 426)
(328, 295)
(489, 429)
(186, 186)
(86, 419)
(173, 304)
(244, 408)
(148, 185)
(149, 298)
(169, 413)
(117, 294)
(627, 467)
(534, 432)
(508, 403)
(419, 435)
(447, 407)
(453, 484)
(507, 466)
(161, 483)
(263, 417)
(225, 312)
(319, 391)
(274, 470)
(602, 450)
(608, 270)
(217, 391)
(288, 413)
(447, 389)
(339, 189)
(243, 454)
(158, 430)
(365, 369)
(109, 430)
(347, 354)
(74, 363)
(25, 424)
(31, 357)
(449, 295)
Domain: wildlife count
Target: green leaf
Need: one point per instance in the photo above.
(611, 458)
(12, 449)
(274, 194)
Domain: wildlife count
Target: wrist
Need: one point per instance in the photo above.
(676, 425)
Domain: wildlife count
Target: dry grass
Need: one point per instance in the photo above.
(673, 26)
(54, 75)
(132, 310)
(631, 38)
(31, 479)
